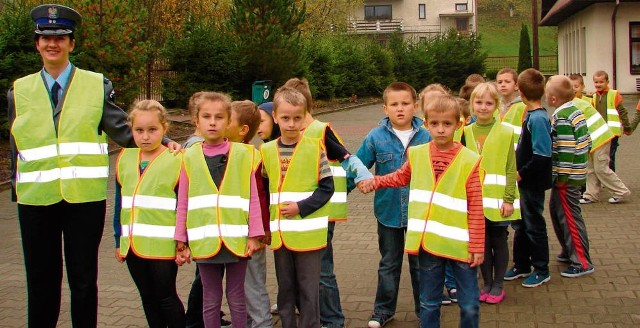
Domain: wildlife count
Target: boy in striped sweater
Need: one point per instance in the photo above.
(571, 144)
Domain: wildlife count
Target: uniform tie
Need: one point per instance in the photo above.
(54, 93)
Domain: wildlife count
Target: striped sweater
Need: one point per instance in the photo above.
(571, 144)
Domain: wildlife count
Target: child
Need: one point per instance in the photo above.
(145, 215)
(608, 102)
(341, 162)
(300, 183)
(446, 224)
(245, 118)
(469, 84)
(599, 173)
(465, 117)
(385, 146)
(499, 195)
(267, 130)
(571, 143)
(512, 108)
(218, 210)
(533, 161)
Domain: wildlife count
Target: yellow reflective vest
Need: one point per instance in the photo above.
(71, 164)
(338, 203)
(219, 215)
(493, 170)
(438, 215)
(300, 181)
(513, 118)
(148, 214)
(613, 118)
(598, 128)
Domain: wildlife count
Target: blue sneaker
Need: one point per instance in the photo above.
(515, 273)
(379, 320)
(574, 271)
(536, 279)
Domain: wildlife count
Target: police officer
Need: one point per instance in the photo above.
(60, 166)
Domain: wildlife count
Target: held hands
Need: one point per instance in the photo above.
(476, 259)
(174, 147)
(506, 210)
(252, 245)
(366, 186)
(289, 209)
(119, 257)
(183, 254)
(267, 238)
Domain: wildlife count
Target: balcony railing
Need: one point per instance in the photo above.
(376, 26)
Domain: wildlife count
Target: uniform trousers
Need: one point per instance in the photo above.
(569, 226)
(298, 273)
(255, 290)
(599, 175)
(46, 231)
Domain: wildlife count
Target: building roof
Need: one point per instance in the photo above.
(552, 15)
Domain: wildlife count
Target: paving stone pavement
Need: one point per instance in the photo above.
(607, 298)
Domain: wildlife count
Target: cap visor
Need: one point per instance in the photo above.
(54, 32)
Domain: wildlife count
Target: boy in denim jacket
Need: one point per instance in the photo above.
(386, 146)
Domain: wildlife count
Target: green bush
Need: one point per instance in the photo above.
(320, 71)
(524, 54)
(413, 64)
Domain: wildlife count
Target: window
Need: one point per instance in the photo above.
(462, 24)
(634, 47)
(377, 12)
(422, 11)
(461, 7)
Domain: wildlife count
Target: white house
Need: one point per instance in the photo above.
(597, 35)
(414, 19)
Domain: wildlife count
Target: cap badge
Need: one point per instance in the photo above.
(53, 13)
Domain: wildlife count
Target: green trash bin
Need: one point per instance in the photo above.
(261, 91)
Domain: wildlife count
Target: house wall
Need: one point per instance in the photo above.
(585, 46)
(407, 11)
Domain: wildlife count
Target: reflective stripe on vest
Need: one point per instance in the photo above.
(613, 118)
(148, 212)
(598, 128)
(438, 216)
(219, 215)
(338, 202)
(494, 163)
(300, 181)
(513, 118)
(70, 164)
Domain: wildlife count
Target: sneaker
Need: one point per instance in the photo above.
(536, 279)
(574, 271)
(515, 273)
(585, 200)
(453, 295)
(445, 299)
(224, 323)
(379, 320)
(274, 308)
(615, 200)
(563, 258)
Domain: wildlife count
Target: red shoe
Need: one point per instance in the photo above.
(483, 296)
(491, 299)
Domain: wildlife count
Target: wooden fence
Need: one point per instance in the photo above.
(548, 63)
(156, 71)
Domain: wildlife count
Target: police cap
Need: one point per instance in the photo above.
(52, 19)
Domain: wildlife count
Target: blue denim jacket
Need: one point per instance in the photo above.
(383, 148)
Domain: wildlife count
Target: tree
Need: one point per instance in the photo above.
(328, 15)
(268, 35)
(524, 55)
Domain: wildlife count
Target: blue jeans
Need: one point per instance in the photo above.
(330, 309)
(431, 283)
(449, 281)
(391, 246)
(530, 240)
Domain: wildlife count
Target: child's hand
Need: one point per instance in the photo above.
(289, 209)
(119, 257)
(174, 147)
(267, 238)
(506, 210)
(518, 177)
(183, 254)
(366, 186)
(252, 245)
(476, 259)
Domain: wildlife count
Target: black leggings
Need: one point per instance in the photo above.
(156, 281)
(496, 257)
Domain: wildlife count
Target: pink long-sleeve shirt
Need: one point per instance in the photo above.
(255, 216)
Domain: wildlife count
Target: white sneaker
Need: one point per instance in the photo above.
(615, 200)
